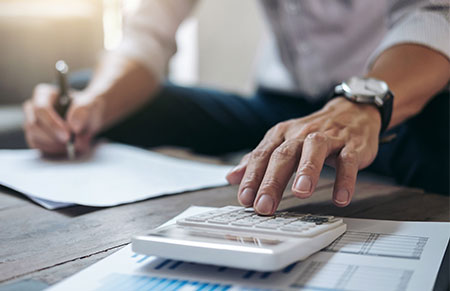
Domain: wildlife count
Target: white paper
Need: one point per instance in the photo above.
(372, 255)
(49, 204)
(112, 174)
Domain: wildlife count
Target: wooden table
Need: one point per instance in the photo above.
(38, 245)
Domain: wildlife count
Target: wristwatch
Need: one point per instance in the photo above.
(368, 91)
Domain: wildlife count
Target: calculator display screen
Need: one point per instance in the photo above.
(216, 236)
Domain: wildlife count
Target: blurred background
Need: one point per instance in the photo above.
(217, 46)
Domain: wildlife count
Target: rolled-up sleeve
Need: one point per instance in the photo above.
(428, 26)
(149, 33)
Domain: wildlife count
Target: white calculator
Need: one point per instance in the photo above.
(237, 237)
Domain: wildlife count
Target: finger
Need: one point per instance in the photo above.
(37, 133)
(346, 172)
(317, 146)
(256, 167)
(83, 142)
(234, 177)
(51, 149)
(78, 119)
(30, 118)
(35, 136)
(45, 95)
(86, 114)
(279, 171)
(44, 98)
(52, 124)
(39, 139)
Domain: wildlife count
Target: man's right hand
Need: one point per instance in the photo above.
(48, 132)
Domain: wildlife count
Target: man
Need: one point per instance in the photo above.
(389, 47)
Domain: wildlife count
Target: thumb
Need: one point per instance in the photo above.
(78, 118)
(85, 114)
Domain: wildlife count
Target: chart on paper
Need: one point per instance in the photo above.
(379, 244)
(134, 282)
(329, 276)
(371, 256)
(166, 274)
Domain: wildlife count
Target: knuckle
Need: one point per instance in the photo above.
(40, 109)
(317, 137)
(281, 126)
(308, 128)
(260, 153)
(308, 167)
(349, 157)
(358, 141)
(272, 185)
(334, 132)
(285, 151)
(250, 178)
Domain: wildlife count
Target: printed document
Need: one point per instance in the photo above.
(112, 174)
(371, 255)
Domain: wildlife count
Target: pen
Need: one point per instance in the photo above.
(63, 102)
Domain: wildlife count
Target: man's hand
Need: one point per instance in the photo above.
(342, 134)
(48, 132)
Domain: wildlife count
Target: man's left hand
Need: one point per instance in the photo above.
(342, 134)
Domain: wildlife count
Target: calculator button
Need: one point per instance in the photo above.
(285, 220)
(298, 223)
(242, 223)
(282, 223)
(218, 221)
(273, 222)
(267, 226)
(257, 219)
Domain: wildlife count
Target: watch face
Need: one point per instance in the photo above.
(366, 87)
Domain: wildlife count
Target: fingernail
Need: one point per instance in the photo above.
(246, 197)
(303, 185)
(341, 197)
(265, 204)
(63, 136)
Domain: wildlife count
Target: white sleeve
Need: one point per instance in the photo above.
(428, 26)
(149, 32)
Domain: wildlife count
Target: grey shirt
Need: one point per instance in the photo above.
(313, 44)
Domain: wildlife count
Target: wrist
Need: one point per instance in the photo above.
(366, 112)
(368, 91)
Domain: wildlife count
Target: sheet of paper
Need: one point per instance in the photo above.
(371, 255)
(113, 174)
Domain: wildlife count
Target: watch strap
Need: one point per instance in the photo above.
(386, 111)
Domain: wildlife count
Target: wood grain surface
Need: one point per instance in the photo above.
(48, 246)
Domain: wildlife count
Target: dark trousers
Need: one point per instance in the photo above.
(214, 122)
